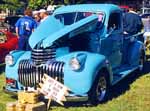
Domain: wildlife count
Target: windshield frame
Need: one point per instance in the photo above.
(76, 15)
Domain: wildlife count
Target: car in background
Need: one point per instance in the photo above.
(146, 29)
(8, 42)
(144, 16)
(124, 8)
(10, 22)
(145, 10)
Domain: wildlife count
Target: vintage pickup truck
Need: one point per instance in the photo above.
(83, 46)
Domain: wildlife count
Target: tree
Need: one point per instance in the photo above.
(74, 1)
(11, 4)
(36, 4)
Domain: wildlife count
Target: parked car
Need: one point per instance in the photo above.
(145, 10)
(125, 8)
(8, 42)
(11, 21)
(83, 46)
(146, 23)
(145, 16)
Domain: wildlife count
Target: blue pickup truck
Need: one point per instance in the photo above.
(83, 46)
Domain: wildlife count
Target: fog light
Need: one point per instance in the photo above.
(9, 60)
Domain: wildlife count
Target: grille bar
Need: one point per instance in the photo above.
(30, 75)
(39, 56)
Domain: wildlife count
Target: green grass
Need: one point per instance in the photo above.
(4, 98)
(127, 96)
(136, 98)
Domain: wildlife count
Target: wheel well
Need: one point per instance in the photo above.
(92, 92)
(106, 72)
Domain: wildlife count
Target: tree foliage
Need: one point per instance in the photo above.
(36, 4)
(11, 4)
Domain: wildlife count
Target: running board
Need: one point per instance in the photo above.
(119, 76)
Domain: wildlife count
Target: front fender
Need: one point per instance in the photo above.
(81, 81)
(16, 54)
(12, 71)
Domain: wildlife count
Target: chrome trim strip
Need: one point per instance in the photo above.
(76, 98)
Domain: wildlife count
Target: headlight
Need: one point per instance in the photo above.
(9, 60)
(75, 64)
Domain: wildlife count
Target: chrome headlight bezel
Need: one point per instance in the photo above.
(9, 60)
(75, 64)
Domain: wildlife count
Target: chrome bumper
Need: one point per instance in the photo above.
(70, 97)
(76, 98)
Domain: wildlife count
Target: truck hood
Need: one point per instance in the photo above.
(46, 28)
(51, 30)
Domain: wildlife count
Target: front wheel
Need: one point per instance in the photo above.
(100, 89)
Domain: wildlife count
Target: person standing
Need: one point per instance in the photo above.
(132, 21)
(24, 27)
(36, 16)
(43, 14)
(132, 24)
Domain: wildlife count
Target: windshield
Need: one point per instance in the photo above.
(70, 18)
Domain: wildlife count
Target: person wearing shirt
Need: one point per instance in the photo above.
(132, 21)
(43, 15)
(132, 24)
(24, 28)
(36, 16)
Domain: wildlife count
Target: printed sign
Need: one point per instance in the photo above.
(53, 89)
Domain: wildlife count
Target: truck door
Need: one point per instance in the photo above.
(111, 45)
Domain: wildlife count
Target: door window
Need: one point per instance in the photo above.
(114, 22)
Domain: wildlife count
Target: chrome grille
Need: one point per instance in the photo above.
(39, 56)
(30, 75)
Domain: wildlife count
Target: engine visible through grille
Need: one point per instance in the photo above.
(30, 75)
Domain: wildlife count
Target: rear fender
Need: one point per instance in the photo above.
(134, 52)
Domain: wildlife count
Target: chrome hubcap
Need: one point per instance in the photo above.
(101, 88)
